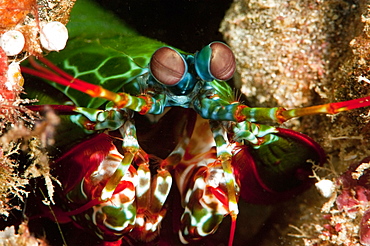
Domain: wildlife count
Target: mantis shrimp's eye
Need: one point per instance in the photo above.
(215, 61)
(167, 66)
(222, 65)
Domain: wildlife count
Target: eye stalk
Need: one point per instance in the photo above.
(215, 61)
(167, 66)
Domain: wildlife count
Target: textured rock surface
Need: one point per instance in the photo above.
(300, 53)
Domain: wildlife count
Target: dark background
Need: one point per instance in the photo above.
(185, 24)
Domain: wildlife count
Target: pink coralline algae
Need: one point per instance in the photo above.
(355, 196)
(365, 228)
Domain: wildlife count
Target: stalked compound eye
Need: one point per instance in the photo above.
(222, 61)
(167, 66)
(215, 61)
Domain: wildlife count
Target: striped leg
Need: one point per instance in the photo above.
(224, 155)
(130, 148)
(151, 194)
(203, 185)
(83, 172)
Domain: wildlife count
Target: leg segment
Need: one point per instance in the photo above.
(204, 185)
(151, 194)
(216, 102)
(130, 148)
(83, 172)
(224, 154)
